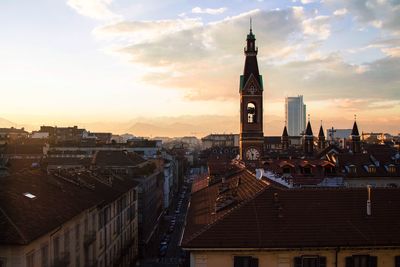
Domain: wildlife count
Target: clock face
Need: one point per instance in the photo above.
(252, 154)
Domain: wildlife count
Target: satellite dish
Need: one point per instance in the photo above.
(259, 173)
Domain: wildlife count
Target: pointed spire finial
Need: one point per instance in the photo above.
(308, 117)
(355, 117)
(251, 25)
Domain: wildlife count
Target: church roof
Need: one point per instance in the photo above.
(285, 133)
(308, 129)
(321, 132)
(355, 129)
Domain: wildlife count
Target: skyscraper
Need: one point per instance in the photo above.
(295, 115)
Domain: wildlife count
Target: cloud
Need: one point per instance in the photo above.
(210, 11)
(383, 14)
(318, 26)
(305, 2)
(205, 59)
(340, 12)
(95, 9)
(142, 31)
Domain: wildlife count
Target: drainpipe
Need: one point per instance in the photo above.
(336, 256)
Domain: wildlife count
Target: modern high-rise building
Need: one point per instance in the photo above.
(295, 115)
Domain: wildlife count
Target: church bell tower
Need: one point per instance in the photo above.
(251, 106)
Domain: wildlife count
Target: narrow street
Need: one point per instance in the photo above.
(169, 253)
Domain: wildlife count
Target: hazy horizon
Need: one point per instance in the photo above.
(111, 64)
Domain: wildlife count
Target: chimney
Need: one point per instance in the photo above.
(369, 201)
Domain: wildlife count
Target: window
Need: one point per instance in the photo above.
(251, 113)
(361, 261)
(286, 170)
(307, 170)
(371, 169)
(44, 253)
(245, 261)
(352, 169)
(66, 241)
(56, 247)
(310, 261)
(77, 236)
(391, 168)
(30, 259)
(396, 261)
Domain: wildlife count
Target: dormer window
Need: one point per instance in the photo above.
(371, 169)
(307, 170)
(352, 169)
(286, 170)
(391, 168)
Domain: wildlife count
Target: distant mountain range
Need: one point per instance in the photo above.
(200, 126)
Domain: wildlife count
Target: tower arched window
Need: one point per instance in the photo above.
(251, 113)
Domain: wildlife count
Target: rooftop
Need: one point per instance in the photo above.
(297, 218)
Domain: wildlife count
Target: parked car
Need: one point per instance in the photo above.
(163, 251)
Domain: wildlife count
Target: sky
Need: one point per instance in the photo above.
(101, 62)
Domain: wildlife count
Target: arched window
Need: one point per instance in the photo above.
(251, 113)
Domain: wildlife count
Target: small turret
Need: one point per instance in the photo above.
(285, 139)
(355, 138)
(308, 140)
(321, 138)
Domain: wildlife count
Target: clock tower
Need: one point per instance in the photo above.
(251, 106)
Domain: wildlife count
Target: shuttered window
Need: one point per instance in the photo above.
(362, 261)
(310, 261)
(245, 261)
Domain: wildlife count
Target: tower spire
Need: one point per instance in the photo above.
(251, 25)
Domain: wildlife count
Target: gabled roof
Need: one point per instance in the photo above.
(355, 129)
(304, 218)
(309, 131)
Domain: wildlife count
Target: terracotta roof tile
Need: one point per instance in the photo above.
(202, 210)
(305, 218)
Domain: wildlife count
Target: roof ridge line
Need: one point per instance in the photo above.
(14, 225)
(208, 226)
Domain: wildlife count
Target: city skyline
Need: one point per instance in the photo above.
(81, 62)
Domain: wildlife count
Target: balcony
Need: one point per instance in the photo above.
(89, 238)
(62, 261)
